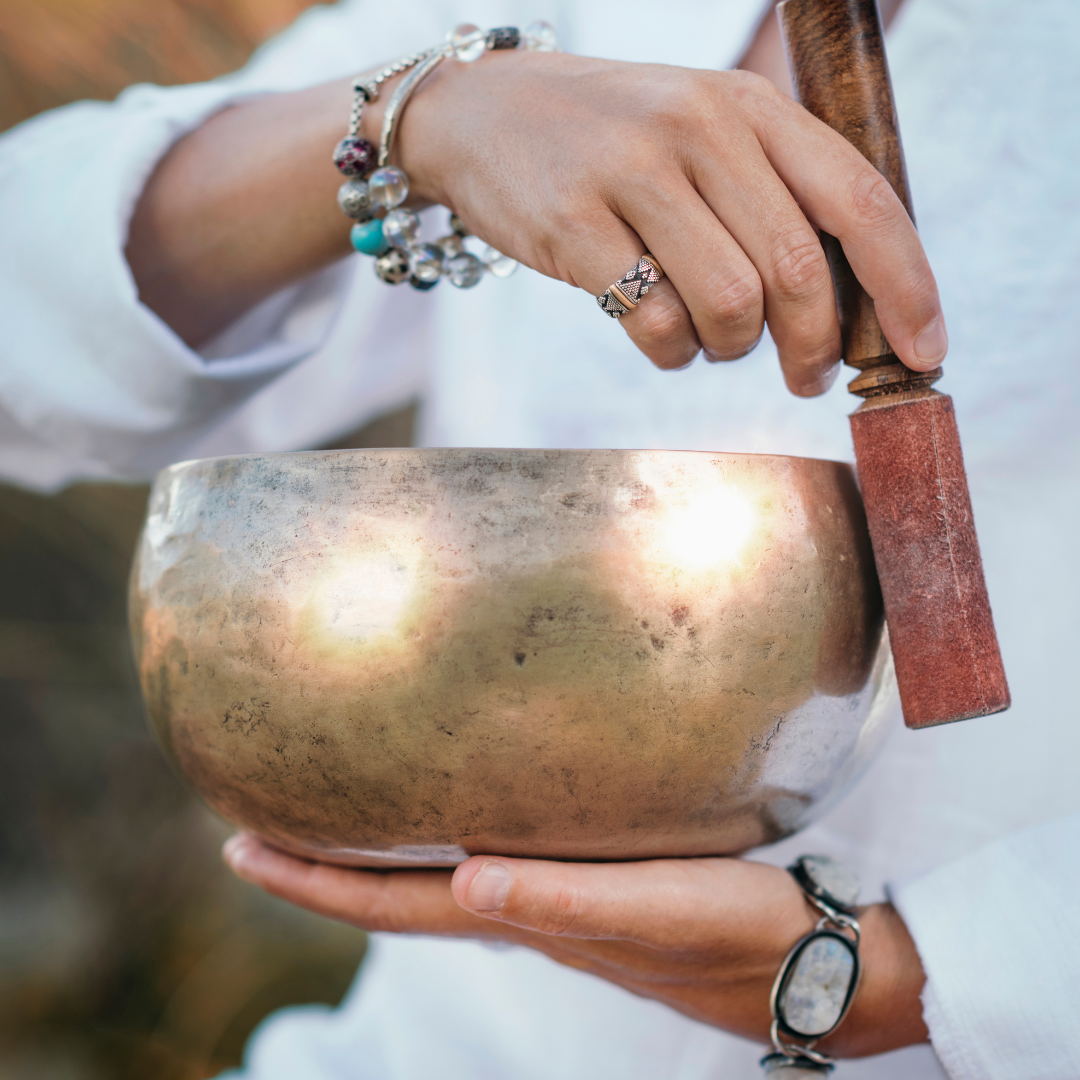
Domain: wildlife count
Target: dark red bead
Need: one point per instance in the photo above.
(355, 157)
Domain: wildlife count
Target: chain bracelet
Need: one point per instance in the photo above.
(375, 191)
(369, 91)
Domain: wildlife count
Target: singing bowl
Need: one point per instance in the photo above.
(403, 657)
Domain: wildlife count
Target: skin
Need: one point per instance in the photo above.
(719, 174)
(726, 181)
(704, 936)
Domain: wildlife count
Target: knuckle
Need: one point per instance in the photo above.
(745, 82)
(733, 351)
(736, 310)
(872, 198)
(664, 335)
(560, 912)
(682, 99)
(385, 916)
(800, 269)
(736, 303)
(688, 104)
(660, 324)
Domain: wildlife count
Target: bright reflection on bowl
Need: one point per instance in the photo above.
(367, 597)
(710, 530)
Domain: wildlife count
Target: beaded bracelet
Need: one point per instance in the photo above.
(374, 191)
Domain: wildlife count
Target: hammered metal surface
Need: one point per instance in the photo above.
(389, 657)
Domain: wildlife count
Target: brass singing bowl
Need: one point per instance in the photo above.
(402, 657)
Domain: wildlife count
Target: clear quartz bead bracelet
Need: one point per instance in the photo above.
(374, 191)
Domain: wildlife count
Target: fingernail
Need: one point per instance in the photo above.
(236, 850)
(814, 386)
(488, 889)
(931, 344)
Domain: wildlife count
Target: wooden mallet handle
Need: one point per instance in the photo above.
(907, 447)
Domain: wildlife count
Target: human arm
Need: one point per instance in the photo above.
(573, 166)
(94, 384)
(704, 936)
(990, 942)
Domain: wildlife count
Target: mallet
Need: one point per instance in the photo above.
(907, 447)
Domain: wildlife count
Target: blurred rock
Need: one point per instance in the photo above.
(127, 951)
(126, 948)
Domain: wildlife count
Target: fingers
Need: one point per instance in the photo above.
(663, 904)
(416, 902)
(710, 297)
(660, 326)
(717, 281)
(744, 192)
(842, 194)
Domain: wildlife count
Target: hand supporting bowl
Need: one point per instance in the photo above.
(401, 657)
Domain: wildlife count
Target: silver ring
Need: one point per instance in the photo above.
(626, 293)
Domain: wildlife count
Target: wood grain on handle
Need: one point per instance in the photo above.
(836, 54)
(911, 469)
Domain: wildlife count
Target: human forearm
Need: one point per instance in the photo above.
(241, 207)
(575, 167)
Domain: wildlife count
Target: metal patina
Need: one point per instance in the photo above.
(400, 657)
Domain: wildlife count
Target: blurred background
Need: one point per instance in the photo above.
(126, 948)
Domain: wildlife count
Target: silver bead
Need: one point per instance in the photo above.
(540, 36)
(354, 198)
(502, 266)
(426, 262)
(393, 267)
(464, 270)
(401, 228)
(468, 42)
(450, 246)
(458, 226)
(389, 187)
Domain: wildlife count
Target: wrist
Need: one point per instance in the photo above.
(886, 1012)
(852, 986)
(451, 133)
(379, 195)
(428, 146)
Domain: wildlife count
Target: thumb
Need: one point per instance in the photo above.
(548, 897)
(645, 901)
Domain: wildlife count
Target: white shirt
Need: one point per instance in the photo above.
(94, 385)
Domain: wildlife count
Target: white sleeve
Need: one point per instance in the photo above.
(92, 383)
(999, 936)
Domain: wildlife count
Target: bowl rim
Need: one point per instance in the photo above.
(424, 451)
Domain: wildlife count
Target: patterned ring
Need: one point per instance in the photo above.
(626, 293)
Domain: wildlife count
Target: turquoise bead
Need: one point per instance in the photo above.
(367, 237)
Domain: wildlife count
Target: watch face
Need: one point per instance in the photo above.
(816, 984)
(828, 880)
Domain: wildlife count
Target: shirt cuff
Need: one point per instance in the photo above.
(87, 370)
(998, 933)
